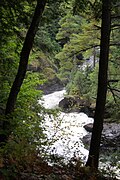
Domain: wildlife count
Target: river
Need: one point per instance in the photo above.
(65, 132)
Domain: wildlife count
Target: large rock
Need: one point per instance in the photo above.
(88, 111)
(110, 136)
(75, 104)
(67, 103)
(88, 127)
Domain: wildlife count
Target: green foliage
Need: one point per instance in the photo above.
(14, 16)
(77, 36)
(75, 33)
(81, 41)
(27, 132)
(91, 9)
(113, 97)
(28, 93)
(69, 24)
(51, 16)
(44, 42)
(12, 30)
(79, 84)
(8, 66)
(93, 77)
(65, 71)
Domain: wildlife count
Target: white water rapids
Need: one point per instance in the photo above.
(65, 132)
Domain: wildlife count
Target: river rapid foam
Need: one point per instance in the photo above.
(65, 132)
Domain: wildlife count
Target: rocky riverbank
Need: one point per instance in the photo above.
(110, 136)
(51, 86)
(111, 131)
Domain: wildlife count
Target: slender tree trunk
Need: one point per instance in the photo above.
(24, 56)
(93, 158)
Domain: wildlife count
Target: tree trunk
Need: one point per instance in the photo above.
(24, 56)
(93, 158)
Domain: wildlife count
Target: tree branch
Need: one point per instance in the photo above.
(109, 87)
(115, 17)
(113, 80)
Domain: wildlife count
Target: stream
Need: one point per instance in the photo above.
(66, 131)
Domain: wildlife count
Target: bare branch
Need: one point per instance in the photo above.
(115, 25)
(115, 17)
(83, 50)
(114, 89)
(109, 87)
(115, 44)
(98, 27)
(113, 80)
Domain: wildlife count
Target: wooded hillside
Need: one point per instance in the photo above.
(46, 46)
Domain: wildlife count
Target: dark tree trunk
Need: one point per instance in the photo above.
(24, 56)
(93, 158)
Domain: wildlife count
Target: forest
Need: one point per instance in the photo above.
(49, 46)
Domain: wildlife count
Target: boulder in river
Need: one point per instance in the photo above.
(76, 104)
(88, 127)
(67, 103)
